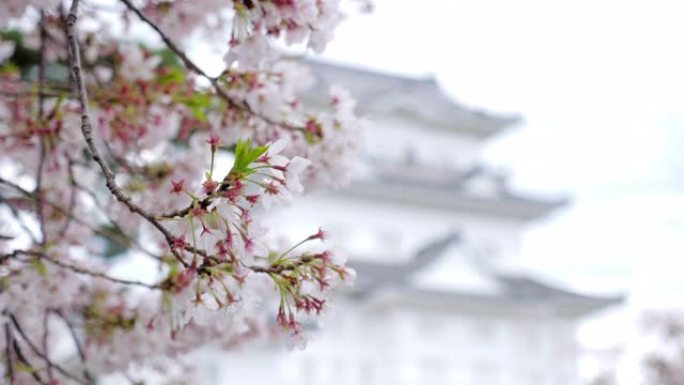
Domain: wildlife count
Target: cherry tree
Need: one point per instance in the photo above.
(109, 146)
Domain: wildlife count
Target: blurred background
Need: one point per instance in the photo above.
(517, 215)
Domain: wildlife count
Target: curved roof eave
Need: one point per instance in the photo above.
(422, 97)
(508, 206)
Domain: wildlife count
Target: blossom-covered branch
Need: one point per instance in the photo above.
(110, 152)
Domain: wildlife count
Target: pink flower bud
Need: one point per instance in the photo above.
(326, 256)
(177, 187)
(281, 318)
(320, 234)
(272, 189)
(214, 141)
(209, 186)
(178, 244)
(252, 199)
(185, 279)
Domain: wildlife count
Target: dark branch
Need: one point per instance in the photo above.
(72, 198)
(87, 131)
(22, 358)
(42, 355)
(74, 268)
(41, 113)
(195, 68)
(8, 353)
(79, 346)
(121, 238)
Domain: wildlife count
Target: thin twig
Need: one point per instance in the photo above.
(77, 342)
(8, 353)
(75, 269)
(16, 187)
(44, 342)
(23, 360)
(121, 239)
(41, 113)
(15, 214)
(195, 68)
(280, 268)
(119, 236)
(42, 355)
(72, 197)
(31, 93)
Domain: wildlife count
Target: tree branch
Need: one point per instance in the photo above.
(23, 360)
(121, 239)
(42, 355)
(72, 197)
(79, 346)
(41, 113)
(195, 68)
(15, 214)
(87, 131)
(282, 267)
(75, 269)
(8, 353)
(44, 342)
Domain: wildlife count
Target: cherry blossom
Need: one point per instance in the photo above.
(110, 153)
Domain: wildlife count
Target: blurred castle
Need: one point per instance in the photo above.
(434, 237)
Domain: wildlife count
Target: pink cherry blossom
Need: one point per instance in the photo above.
(104, 162)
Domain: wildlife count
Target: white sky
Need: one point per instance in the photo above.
(600, 84)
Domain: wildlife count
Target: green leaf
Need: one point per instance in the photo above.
(174, 75)
(12, 35)
(167, 303)
(198, 103)
(174, 267)
(239, 162)
(245, 155)
(257, 152)
(272, 256)
(39, 266)
(169, 58)
(22, 367)
(9, 68)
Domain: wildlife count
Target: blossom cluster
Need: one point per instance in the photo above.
(111, 151)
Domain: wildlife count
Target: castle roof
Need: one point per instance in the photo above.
(397, 284)
(421, 98)
(452, 195)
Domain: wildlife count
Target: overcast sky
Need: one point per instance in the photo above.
(600, 85)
